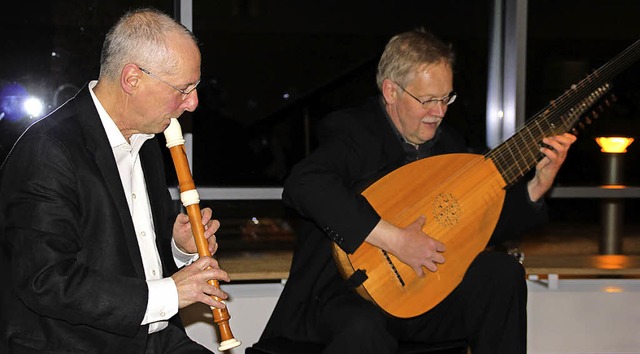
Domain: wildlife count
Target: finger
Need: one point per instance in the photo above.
(210, 301)
(440, 247)
(420, 221)
(211, 227)
(182, 218)
(213, 246)
(216, 274)
(215, 249)
(438, 258)
(567, 138)
(550, 143)
(205, 262)
(212, 262)
(211, 238)
(432, 267)
(211, 290)
(217, 304)
(557, 154)
(560, 143)
(202, 263)
(221, 275)
(549, 152)
(206, 215)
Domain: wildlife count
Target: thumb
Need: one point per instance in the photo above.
(419, 222)
(182, 218)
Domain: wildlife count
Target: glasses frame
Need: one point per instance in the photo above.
(185, 93)
(446, 100)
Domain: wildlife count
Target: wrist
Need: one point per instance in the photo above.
(535, 190)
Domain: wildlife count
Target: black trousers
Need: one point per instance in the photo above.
(488, 309)
(173, 340)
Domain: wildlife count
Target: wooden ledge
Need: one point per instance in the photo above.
(257, 265)
(583, 264)
(597, 192)
(275, 265)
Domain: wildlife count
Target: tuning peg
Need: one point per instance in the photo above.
(614, 98)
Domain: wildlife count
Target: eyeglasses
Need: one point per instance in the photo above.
(446, 100)
(185, 93)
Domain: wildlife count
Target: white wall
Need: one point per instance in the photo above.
(580, 316)
(249, 305)
(585, 316)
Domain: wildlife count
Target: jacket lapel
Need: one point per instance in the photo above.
(391, 146)
(98, 145)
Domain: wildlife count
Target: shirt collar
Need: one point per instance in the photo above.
(113, 133)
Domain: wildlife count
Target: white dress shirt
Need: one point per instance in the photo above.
(163, 294)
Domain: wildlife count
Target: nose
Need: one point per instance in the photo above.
(439, 108)
(190, 103)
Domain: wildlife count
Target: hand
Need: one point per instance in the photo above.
(184, 238)
(192, 283)
(548, 167)
(417, 249)
(410, 245)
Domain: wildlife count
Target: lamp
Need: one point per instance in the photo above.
(614, 145)
(612, 209)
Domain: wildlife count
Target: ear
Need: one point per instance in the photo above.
(130, 78)
(389, 91)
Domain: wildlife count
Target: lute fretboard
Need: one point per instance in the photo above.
(518, 154)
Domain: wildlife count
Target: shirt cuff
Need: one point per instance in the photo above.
(182, 258)
(163, 300)
(537, 205)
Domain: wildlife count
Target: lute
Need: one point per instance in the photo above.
(462, 200)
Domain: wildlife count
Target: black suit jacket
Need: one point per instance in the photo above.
(357, 147)
(74, 279)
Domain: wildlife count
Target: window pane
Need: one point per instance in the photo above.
(272, 69)
(253, 225)
(564, 46)
(50, 49)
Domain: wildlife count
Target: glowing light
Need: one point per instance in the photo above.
(614, 145)
(612, 289)
(500, 114)
(612, 261)
(33, 106)
(11, 97)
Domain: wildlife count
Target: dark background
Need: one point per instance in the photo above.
(272, 68)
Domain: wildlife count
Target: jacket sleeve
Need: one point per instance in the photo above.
(322, 188)
(48, 234)
(519, 215)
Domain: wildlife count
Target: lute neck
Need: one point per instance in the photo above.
(517, 155)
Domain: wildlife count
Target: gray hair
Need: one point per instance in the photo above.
(407, 52)
(139, 37)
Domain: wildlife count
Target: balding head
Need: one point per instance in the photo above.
(140, 37)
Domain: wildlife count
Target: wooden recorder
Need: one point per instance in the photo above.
(190, 199)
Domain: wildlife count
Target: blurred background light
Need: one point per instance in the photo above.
(33, 106)
(12, 97)
(614, 145)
